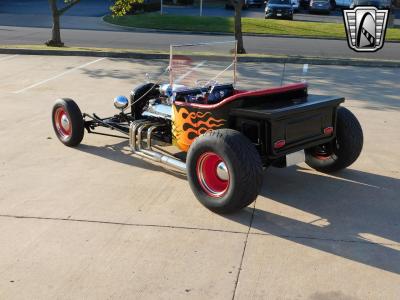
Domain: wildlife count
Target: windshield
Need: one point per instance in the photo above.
(203, 64)
(284, 2)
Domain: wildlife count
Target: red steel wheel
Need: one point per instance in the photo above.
(63, 123)
(213, 174)
(224, 170)
(323, 152)
(68, 122)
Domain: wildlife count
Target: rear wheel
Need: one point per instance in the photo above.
(224, 170)
(343, 150)
(68, 122)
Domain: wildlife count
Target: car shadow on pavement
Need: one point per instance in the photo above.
(353, 214)
(120, 153)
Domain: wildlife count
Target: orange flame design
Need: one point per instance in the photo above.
(186, 126)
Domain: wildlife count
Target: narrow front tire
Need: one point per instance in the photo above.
(68, 122)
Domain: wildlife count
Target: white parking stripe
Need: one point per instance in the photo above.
(190, 72)
(58, 76)
(8, 57)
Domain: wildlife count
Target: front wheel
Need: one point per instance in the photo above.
(224, 170)
(68, 122)
(342, 151)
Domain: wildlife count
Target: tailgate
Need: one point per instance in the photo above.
(297, 125)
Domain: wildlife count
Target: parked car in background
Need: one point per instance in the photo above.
(305, 4)
(320, 6)
(256, 3)
(282, 9)
(246, 4)
(343, 3)
(380, 4)
(296, 5)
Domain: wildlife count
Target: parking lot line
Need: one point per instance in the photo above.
(190, 71)
(58, 76)
(8, 57)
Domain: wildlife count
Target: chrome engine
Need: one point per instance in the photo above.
(162, 106)
(158, 110)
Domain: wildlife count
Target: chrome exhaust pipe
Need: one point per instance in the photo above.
(167, 160)
(132, 133)
(135, 141)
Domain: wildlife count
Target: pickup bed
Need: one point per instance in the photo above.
(300, 122)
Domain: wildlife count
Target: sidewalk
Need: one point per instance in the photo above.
(67, 22)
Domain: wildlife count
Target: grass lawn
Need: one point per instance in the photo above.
(250, 25)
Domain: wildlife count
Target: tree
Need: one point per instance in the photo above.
(123, 7)
(56, 13)
(238, 5)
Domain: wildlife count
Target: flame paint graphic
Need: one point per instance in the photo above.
(186, 126)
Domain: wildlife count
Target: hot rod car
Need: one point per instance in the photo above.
(225, 136)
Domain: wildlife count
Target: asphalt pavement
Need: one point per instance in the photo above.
(161, 41)
(96, 222)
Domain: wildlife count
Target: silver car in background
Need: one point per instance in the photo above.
(320, 6)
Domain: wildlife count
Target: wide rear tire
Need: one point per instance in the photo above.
(343, 150)
(224, 170)
(68, 122)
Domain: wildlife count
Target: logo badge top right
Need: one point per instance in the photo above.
(365, 28)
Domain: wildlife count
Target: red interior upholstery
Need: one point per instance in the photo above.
(242, 94)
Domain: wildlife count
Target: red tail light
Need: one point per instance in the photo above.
(279, 144)
(328, 130)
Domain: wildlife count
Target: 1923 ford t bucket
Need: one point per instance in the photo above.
(224, 136)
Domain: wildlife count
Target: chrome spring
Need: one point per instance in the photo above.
(136, 130)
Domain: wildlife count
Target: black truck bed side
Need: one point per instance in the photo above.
(299, 122)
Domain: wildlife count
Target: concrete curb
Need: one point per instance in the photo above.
(252, 58)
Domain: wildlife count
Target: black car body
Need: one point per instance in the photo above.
(320, 6)
(282, 9)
